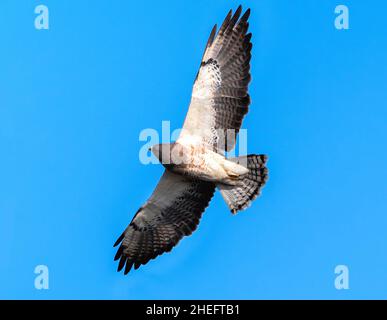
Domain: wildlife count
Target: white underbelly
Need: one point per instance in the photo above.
(209, 166)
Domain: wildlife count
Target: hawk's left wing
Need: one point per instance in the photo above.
(173, 211)
(220, 96)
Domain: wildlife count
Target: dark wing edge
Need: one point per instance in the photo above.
(163, 221)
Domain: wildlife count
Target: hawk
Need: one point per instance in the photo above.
(195, 165)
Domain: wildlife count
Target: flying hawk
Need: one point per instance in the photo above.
(195, 164)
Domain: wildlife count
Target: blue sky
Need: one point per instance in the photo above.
(74, 98)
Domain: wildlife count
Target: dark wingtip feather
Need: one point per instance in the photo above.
(119, 253)
(128, 267)
(121, 237)
(238, 11)
(121, 263)
(247, 38)
(211, 37)
(224, 25)
(246, 15)
(234, 18)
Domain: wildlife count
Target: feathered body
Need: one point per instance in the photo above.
(199, 162)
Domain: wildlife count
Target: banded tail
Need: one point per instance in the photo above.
(240, 196)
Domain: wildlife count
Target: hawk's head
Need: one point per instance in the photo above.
(162, 152)
(169, 153)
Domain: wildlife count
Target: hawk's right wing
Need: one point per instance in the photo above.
(173, 211)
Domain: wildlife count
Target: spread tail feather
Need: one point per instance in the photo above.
(240, 196)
